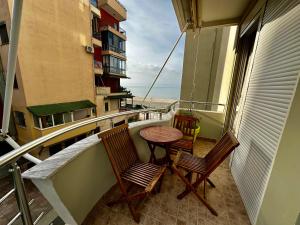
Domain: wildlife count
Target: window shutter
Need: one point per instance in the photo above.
(270, 92)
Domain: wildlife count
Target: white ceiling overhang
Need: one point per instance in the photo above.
(210, 13)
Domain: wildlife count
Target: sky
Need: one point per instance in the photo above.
(152, 29)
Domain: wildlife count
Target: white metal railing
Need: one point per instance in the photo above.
(11, 157)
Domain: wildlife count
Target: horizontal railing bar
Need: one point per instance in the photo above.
(15, 154)
(202, 103)
(39, 218)
(18, 214)
(7, 195)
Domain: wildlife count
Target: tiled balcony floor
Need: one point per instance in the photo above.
(164, 208)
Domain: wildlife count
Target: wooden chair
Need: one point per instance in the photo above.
(188, 126)
(128, 168)
(203, 167)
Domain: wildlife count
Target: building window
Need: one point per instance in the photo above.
(20, 119)
(81, 114)
(36, 121)
(3, 34)
(58, 119)
(94, 111)
(47, 121)
(106, 106)
(68, 117)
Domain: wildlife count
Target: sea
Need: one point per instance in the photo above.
(156, 92)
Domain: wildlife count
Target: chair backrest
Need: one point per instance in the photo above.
(187, 124)
(221, 151)
(120, 148)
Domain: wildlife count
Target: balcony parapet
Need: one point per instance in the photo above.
(94, 8)
(115, 8)
(119, 32)
(103, 90)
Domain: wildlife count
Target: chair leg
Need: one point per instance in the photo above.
(211, 183)
(133, 212)
(159, 184)
(187, 190)
(192, 188)
(204, 188)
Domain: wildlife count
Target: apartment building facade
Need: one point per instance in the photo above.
(59, 60)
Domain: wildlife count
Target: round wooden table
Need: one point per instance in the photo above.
(161, 136)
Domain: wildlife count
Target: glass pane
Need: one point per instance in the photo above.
(20, 119)
(81, 114)
(58, 119)
(47, 121)
(36, 121)
(67, 117)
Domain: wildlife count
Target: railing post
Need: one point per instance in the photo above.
(160, 115)
(21, 195)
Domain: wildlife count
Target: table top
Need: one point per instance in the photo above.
(161, 134)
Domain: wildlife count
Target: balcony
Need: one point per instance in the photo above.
(114, 7)
(94, 8)
(114, 71)
(119, 32)
(94, 3)
(114, 51)
(96, 39)
(102, 90)
(98, 67)
(73, 169)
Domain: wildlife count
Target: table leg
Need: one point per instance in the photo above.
(168, 158)
(152, 155)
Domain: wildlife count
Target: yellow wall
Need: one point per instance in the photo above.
(212, 60)
(53, 66)
(281, 203)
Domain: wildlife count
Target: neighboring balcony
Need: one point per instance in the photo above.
(102, 90)
(96, 39)
(113, 94)
(98, 67)
(114, 7)
(119, 32)
(94, 8)
(114, 71)
(113, 50)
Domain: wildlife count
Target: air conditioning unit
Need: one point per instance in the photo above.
(89, 49)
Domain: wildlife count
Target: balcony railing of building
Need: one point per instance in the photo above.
(103, 90)
(114, 70)
(97, 35)
(107, 47)
(122, 31)
(94, 3)
(10, 159)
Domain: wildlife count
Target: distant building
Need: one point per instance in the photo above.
(60, 79)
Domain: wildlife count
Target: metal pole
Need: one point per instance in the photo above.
(21, 195)
(27, 156)
(11, 65)
(163, 66)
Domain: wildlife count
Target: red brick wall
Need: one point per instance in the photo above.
(107, 19)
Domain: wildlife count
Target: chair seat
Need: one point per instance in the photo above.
(144, 174)
(191, 163)
(183, 144)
